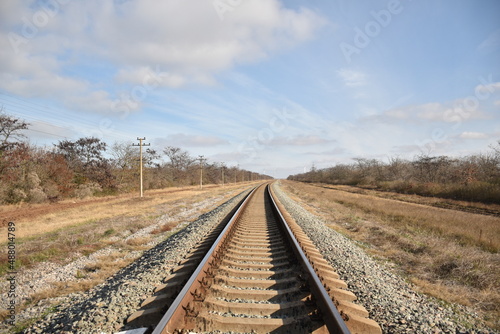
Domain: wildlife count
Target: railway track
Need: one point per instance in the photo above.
(257, 272)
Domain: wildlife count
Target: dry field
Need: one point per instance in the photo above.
(61, 232)
(449, 254)
(35, 220)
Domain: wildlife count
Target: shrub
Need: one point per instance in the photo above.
(36, 195)
(16, 195)
(51, 190)
(87, 190)
(32, 180)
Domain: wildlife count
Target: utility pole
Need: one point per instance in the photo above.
(201, 157)
(140, 159)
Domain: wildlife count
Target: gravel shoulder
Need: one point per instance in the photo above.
(104, 308)
(390, 300)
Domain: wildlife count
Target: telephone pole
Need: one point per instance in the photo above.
(140, 158)
(201, 157)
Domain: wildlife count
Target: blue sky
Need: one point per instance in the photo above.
(270, 85)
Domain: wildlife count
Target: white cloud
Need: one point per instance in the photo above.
(97, 101)
(189, 39)
(186, 40)
(400, 113)
(473, 135)
(434, 148)
(187, 140)
(334, 151)
(11, 11)
(451, 112)
(352, 78)
(299, 140)
(150, 78)
(429, 111)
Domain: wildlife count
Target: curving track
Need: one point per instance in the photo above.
(257, 273)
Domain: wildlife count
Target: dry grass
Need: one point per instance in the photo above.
(103, 208)
(475, 207)
(55, 235)
(140, 243)
(96, 211)
(464, 227)
(441, 251)
(164, 228)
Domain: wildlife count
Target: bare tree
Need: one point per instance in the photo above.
(85, 156)
(179, 159)
(10, 130)
(180, 164)
(124, 155)
(496, 149)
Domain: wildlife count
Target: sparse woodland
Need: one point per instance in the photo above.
(89, 167)
(470, 178)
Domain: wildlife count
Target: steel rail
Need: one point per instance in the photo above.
(184, 296)
(331, 315)
(332, 318)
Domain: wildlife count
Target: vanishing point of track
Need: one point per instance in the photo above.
(257, 272)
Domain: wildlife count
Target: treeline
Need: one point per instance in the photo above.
(470, 178)
(88, 167)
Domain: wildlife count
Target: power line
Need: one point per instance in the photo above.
(16, 112)
(23, 109)
(47, 133)
(23, 103)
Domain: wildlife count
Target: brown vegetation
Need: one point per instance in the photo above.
(472, 178)
(450, 254)
(87, 167)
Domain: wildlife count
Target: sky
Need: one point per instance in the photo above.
(272, 86)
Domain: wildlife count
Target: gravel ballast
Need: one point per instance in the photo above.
(389, 299)
(104, 308)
